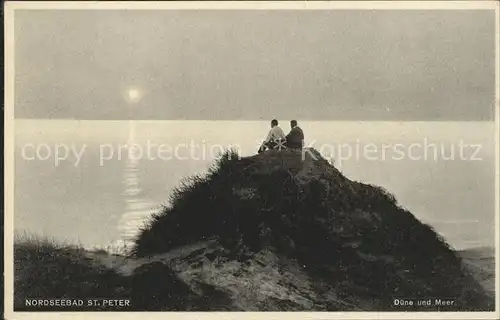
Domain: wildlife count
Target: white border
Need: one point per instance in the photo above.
(257, 5)
(497, 158)
(11, 6)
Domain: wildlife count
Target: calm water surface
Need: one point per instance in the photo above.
(104, 197)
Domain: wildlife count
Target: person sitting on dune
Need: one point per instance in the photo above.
(295, 139)
(275, 138)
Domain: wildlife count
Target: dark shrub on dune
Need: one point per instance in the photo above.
(352, 235)
(45, 269)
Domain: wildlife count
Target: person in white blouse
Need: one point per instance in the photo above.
(275, 137)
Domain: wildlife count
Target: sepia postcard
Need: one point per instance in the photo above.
(226, 160)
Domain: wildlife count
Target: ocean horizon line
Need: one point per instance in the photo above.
(250, 120)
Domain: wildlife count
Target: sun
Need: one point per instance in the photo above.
(133, 95)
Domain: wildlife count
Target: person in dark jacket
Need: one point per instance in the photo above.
(295, 139)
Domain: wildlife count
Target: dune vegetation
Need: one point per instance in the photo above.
(350, 235)
(45, 268)
(278, 231)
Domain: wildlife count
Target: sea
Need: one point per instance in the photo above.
(95, 183)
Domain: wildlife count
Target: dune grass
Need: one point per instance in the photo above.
(49, 269)
(352, 238)
(343, 231)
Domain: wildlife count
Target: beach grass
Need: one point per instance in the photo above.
(50, 269)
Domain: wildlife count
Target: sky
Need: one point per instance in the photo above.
(253, 65)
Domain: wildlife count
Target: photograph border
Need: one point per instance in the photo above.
(9, 61)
